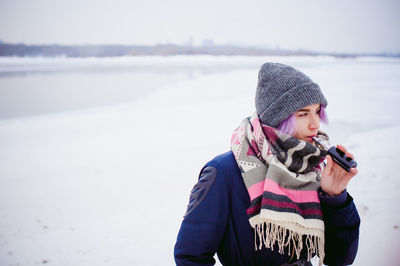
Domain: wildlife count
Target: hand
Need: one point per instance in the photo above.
(334, 178)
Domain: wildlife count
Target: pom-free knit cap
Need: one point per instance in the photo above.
(282, 90)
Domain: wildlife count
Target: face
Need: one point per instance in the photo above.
(307, 122)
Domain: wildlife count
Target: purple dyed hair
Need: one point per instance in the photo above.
(288, 126)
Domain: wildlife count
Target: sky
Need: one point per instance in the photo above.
(320, 25)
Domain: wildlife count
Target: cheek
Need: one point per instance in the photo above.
(299, 125)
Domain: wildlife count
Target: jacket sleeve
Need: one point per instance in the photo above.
(342, 224)
(205, 221)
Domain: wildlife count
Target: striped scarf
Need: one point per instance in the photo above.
(282, 175)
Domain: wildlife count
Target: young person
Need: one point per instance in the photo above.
(271, 200)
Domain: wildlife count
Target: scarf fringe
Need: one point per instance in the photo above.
(269, 233)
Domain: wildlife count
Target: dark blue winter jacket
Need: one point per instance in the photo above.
(216, 222)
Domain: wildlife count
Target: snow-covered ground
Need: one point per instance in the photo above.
(109, 185)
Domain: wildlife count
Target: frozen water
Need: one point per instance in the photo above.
(109, 185)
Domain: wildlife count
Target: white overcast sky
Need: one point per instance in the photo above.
(336, 26)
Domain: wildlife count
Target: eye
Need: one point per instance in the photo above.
(302, 114)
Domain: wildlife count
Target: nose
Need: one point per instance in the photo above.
(314, 122)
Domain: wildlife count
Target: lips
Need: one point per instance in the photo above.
(310, 138)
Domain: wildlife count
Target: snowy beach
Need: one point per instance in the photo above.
(105, 180)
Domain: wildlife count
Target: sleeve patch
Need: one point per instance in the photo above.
(200, 190)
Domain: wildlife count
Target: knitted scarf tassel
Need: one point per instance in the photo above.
(269, 233)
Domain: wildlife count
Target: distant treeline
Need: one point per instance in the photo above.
(161, 49)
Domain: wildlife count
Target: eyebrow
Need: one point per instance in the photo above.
(308, 110)
(303, 110)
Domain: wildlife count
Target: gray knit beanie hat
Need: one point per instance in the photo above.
(282, 90)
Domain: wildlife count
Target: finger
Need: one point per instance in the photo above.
(348, 154)
(342, 148)
(338, 170)
(329, 163)
(354, 171)
(349, 175)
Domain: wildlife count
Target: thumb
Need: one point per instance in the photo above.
(329, 163)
